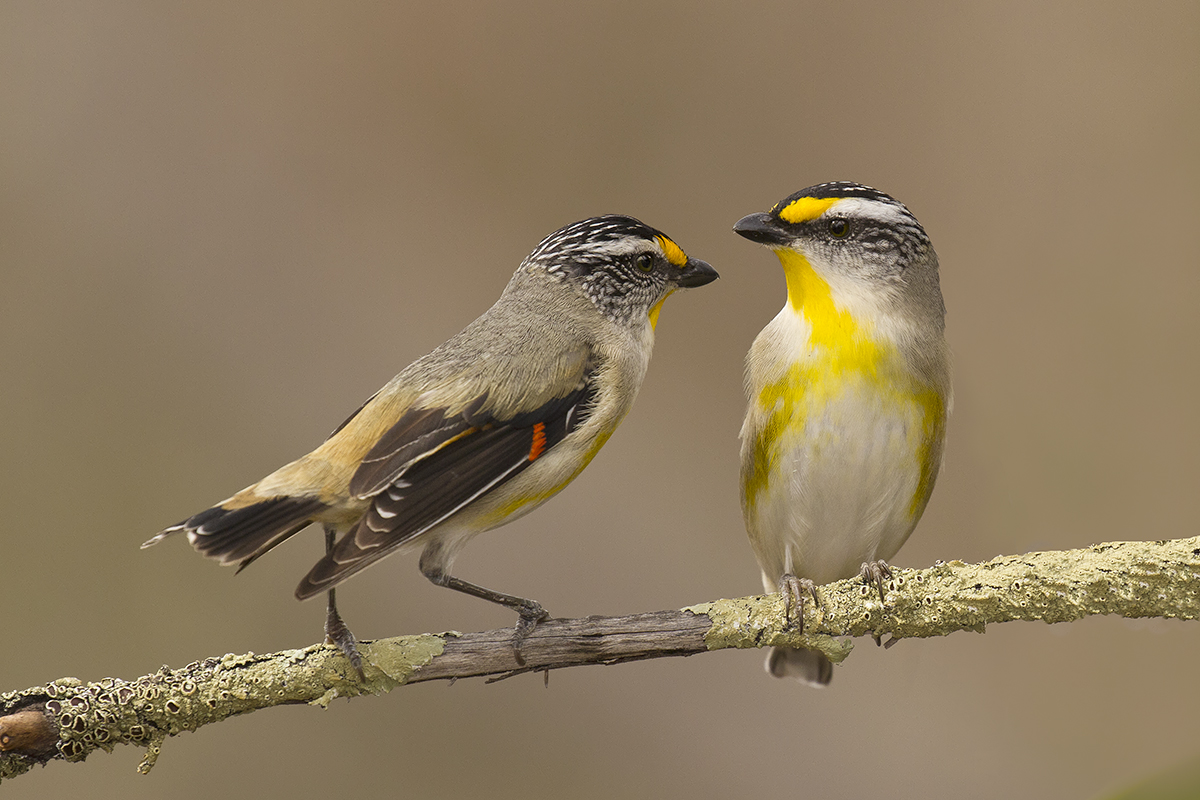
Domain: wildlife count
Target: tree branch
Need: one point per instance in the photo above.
(68, 719)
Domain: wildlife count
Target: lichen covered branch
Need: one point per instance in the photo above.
(68, 719)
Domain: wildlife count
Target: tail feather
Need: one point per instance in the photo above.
(807, 666)
(240, 535)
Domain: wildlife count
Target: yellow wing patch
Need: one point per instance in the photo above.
(672, 251)
(930, 455)
(805, 208)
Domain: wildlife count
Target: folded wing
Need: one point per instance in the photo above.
(430, 465)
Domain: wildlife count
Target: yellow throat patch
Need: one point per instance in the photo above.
(657, 307)
(673, 253)
(833, 329)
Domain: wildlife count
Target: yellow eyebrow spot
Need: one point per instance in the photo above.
(672, 251)
(805, 208)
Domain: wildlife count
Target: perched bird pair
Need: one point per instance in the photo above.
(841, 444)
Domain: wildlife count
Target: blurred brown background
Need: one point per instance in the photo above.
(224, 225)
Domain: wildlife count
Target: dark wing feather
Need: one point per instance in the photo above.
(415, 435)
(458, 460)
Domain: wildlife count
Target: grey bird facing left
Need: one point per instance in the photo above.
(481, 431)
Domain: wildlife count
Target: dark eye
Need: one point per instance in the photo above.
(645, 262)
(839, 228)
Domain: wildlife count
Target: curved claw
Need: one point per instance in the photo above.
(793, 590)
(337, 633)
(876, 572)
(531, 613)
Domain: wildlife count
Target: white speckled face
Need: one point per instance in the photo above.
(622, 265)
(867, 247)
(864, 236)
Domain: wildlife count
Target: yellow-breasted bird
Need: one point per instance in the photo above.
(849, 388)
(482, 430)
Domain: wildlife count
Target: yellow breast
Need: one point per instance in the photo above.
(819, 377)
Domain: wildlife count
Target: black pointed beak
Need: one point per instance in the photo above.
(696, 273)
(761, 228)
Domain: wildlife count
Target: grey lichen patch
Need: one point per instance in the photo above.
(749, 622)
(398, 658)
(834, 649)
(388, 663)
(741, 623)
(153, 751)
(1131, 579)
(146, 711)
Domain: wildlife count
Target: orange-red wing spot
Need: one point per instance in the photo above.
(539, 440)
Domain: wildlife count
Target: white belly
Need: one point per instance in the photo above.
(844, 477)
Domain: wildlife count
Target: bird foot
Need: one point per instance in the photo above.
(793, 590)
(531, 613)
(337, 633)
(876, 572)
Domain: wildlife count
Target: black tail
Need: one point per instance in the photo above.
(240, 535)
